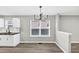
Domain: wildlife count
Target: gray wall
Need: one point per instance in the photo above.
(25, 29)
(70, 24)
(66, 23)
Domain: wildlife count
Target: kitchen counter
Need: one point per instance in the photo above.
(9, 33)
(9, 39)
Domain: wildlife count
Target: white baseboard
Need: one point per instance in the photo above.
(74, 41)
(37, 42)
(44, 42)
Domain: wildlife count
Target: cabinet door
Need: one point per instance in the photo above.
(2, 40)
(16, 39)
(9, 40)
(8, 23)
(1, 22)
(16, 22)
(6, 40)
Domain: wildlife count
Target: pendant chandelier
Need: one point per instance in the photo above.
(40, 16)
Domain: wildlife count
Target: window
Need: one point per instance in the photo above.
(35, 31)
(40, 28)
(44, 31)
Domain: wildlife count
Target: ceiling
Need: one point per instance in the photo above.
(31, 10)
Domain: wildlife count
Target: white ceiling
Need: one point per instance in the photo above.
(31, 10)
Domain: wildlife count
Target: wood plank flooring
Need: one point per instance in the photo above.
(38, 48)
(75, 48)
(32, 48)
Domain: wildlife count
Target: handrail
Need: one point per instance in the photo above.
(65, 32)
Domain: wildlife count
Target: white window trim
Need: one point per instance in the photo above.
(39, 30)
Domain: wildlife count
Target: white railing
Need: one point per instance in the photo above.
(63, 40)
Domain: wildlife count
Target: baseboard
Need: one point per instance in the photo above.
(37, 42)
(74, 41)
(44, 42)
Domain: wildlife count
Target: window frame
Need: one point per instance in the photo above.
(39, 27)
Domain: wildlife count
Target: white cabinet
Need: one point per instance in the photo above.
(2, 40)
(1, 22)
(2, 30)
(8, 23)
(14, 22)
(13, 25)
(9, 40)
(16, 39)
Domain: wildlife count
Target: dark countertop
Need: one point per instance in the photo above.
(9, 33)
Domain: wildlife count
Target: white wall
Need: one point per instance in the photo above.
(70, 24)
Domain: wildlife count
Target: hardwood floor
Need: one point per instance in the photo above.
(32, 48)
(75, 48)
(38, 48)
